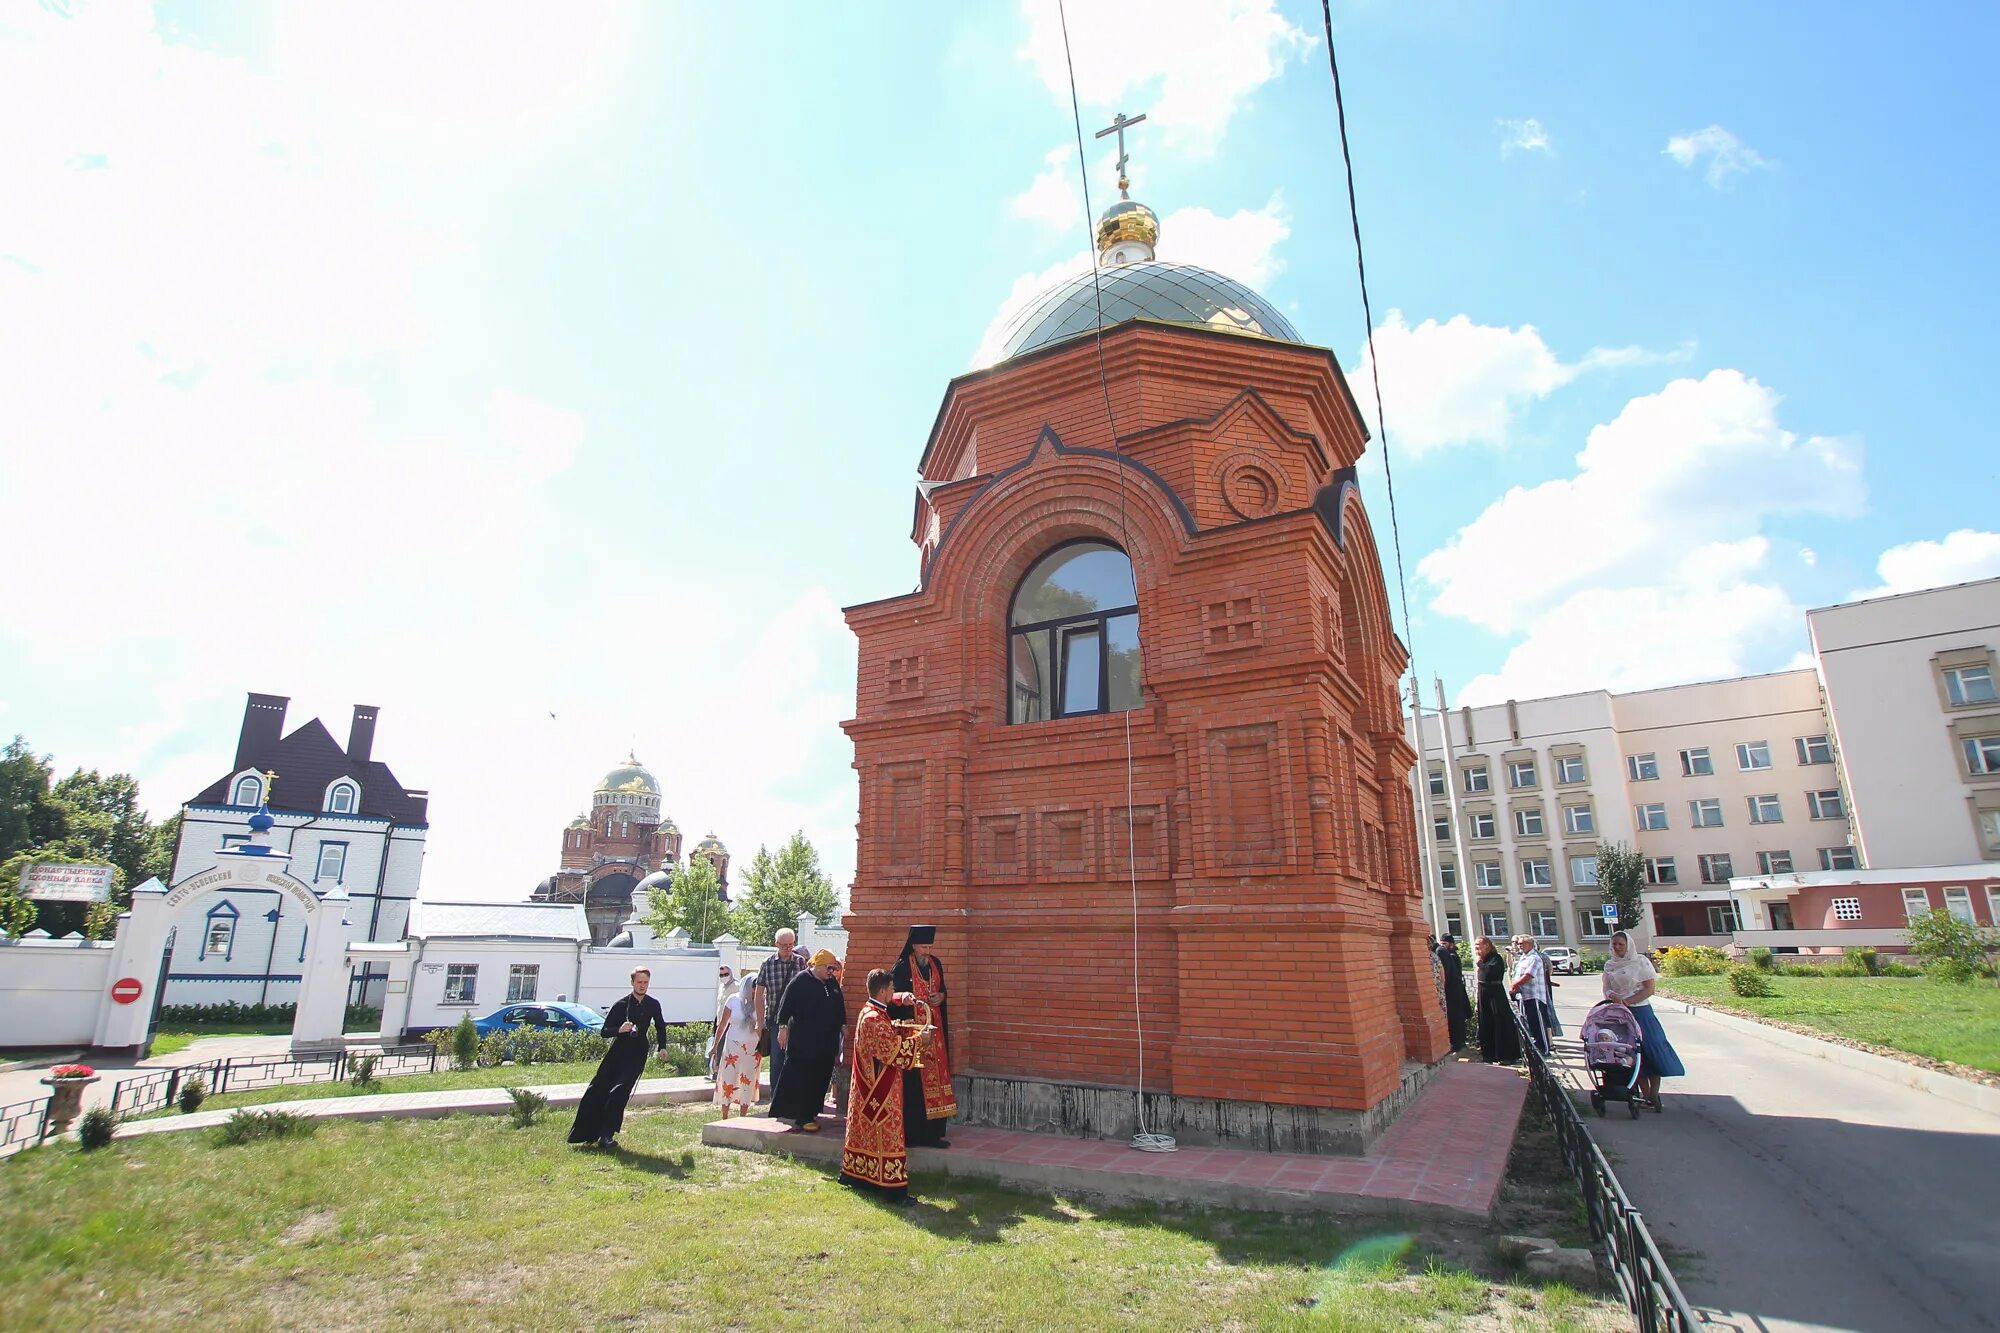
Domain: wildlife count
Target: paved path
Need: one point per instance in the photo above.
(1794, 1193)
(18, 1085)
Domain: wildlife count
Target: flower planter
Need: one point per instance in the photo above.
(65, 1101)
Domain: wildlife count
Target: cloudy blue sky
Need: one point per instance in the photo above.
(488, 362)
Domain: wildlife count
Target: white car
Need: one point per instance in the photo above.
(1561, 958)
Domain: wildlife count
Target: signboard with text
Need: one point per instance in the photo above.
(55, 882)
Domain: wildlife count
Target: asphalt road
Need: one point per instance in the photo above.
(1790, 1193)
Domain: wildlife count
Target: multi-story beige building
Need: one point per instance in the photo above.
(1911, 688)
(1707, 781)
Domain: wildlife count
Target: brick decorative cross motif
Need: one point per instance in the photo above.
(906, 676)
(1231, 623)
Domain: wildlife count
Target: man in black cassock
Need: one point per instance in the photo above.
(601, 1113)
(810, 1018)
(927, 1091)
(1457, 1006)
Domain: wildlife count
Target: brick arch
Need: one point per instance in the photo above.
(1364, 597)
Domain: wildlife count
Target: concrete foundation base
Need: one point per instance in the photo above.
(1093, 1111)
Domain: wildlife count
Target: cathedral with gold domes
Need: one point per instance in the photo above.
(623, 845)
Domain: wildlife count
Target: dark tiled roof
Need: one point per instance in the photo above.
(309, 759)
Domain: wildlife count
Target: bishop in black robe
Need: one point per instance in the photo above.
(810, 1017)
(1457, 1005)
(601, 1113)
(928, 1101)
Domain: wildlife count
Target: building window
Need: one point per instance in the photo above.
(1477, 779)
(1696, 763)
(1716, 868)
(1441, 828)
(1642, 767)
(332, 862)
(1993, 903)
(1916, 903)
(1521, 773)
(1766, 810)
(1591, 923)
(1814, 750)
(1495, 925)
(1969, 685)
(1528, 823)
(219, 939)
(1447, 874)
(342, 798)
(1825, 804)
(1454, 925)
(1753, 755)
(1723, 920)
(1982, 755)
(1579, 819)
(1583, 872)
(1989, 832)
(1569, 768)
(521, 981)
(461, 982)
(1958, 901)
(1846, 909)
(1486, 875)
(1543, 925)
(249, 791)
(1535, 873)
(1660, 870)
(1483, 825)
(1073, 640)
(1650, 818)
(1436, 780)
(1774, 863)
(1706, 814)
(1839, 858)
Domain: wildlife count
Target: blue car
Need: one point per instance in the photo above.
(553, 1017)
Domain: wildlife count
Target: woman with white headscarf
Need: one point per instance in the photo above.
(736, 1058)
(1628, 980)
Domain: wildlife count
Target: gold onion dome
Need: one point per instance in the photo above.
(1127, 220)
(630, 776)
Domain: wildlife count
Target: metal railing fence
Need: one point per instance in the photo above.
(159, 1088)
(23, 1124)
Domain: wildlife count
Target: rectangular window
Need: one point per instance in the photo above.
(1753, 755)
(1815, 750)
(1436, 781)
(1579, 819)
(1989, 832)
(1846, 909)
(461, 982)
(332, 861)
(1591, 923)
(1982, 755)
(1839, 858)
(1706, 814)
(1495, 924)
(1993, 903)
(521, 981)
(1477, 779)
(1695, 763)
(1958, 901)
(1543, 925)
(1082, 649)
(1826, 804)
(1661, 870)
(1716, 868)
(1650, 818)
(1521, 773)
(1583, 872)
(1454, 925)
(1642, 767)
(1535, 873)
(1722, 919)
(1484, 825)
(1916, 903)
(1486, 875)
(1774, 863)
(1969, 685)
(1448, 874)
(1528, 823)
(1766, 810)
(1570, 768)
(1441, 828)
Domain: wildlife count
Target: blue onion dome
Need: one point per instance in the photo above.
(1152, 290)
(263, 820)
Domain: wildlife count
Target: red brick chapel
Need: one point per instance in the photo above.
(1209, 580)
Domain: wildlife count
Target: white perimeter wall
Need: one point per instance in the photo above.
(50, 992)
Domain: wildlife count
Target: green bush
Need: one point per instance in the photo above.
(1760, 958)
(1589, 960)
(464, 1044)
(97, 1128)
(1802, 970)
(528, 1106)
(1750, 983)
(232, 1014)
(1694, 961)
(1862, 959)
(1951, 970)
(193, 1093)
(1896, 969)
(541, 1046)
(248, 1126)
(361, 1073)
(1951, 949)
(493, 1049)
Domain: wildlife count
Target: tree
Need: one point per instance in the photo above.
(27, 815)
(17, 915)
(1952, 948)
(778, 889)
(692, 902)
(1621, 877)
(87, 818)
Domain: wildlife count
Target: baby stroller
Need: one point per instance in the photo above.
(1611, 1050)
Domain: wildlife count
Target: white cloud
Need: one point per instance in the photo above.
(1242, 245)
(1524, 136)
(1463, 383)
(1963, 556)
(1808, 557)
(1188, 64)
(1054, 200)
(1727, 155)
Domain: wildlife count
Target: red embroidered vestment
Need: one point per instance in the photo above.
(876, 1152)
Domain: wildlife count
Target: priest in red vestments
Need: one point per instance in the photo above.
(876, 1156)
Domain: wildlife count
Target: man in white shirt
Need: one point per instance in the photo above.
(1528, 982)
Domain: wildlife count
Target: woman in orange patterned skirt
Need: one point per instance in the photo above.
(736, 1051)
(876, 1157)
(928, 1100)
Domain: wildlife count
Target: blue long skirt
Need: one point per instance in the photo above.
(1660, 1056)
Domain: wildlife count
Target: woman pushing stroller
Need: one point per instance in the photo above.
(1628, 981)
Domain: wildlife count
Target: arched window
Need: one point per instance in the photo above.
(220, 935)
(249, 791)
(1073, 635)
(342, 798)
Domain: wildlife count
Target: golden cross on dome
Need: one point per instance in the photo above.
(1119, 124)
(270, 781)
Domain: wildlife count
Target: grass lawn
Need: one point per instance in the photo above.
(498, 1076)
(1960, 1024)
(468, 1222)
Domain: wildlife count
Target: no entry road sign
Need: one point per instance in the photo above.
(126, 989)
